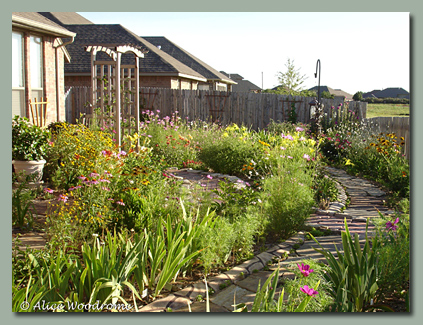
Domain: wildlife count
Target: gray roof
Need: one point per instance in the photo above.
(388, 93)
(155, 62)
(242, 85)
(188, 59)
(335, 92)
(66, 18)
(35, 21)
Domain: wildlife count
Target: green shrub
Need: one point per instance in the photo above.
(288, 199)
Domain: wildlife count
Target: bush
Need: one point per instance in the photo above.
(289, 199)
(373, 100)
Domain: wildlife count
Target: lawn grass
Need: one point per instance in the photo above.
(376, 110)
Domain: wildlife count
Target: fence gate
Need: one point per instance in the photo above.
(115, 97)
(217, 104)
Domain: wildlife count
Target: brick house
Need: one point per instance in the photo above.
(38, 58)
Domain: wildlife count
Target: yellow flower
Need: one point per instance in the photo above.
(348, 162)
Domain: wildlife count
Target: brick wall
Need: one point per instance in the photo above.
(49, 63)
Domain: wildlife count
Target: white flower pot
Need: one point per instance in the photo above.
(34, 167)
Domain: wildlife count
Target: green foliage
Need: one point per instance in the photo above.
(22, 206)
(29, 142)
(289, 199)
(227, 154)
(354, 274)
(326, 94)
(358, 96)
(373, 100)
(290, 80)
(393, 255)
(325, 190)
(292, 116)
(265, 301)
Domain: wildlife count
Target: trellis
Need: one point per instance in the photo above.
(115, 90)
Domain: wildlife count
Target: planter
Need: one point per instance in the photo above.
(24, 168)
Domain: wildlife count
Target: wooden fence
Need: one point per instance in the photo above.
(398, 125)
(249, 109)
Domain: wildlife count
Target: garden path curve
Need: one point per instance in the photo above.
(242, 280)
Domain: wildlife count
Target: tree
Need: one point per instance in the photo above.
(290, 80)
(358, 96)
(326, 94)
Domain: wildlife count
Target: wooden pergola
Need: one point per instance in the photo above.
(115, 89)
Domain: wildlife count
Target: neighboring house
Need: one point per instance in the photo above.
(215, 79)
(242, 85)
(388, 93)
(38, 58)
(157, 68)
(335, 92)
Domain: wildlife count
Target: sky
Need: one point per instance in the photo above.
(357, 51)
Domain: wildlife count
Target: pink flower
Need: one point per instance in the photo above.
(203, 185)
(120, 202)
(289, 157)
(63, 198)
(309, 291)
(305, 156)
(298, 129)
(48, 190)
(305, 269)
(94, 175)
(209, 177)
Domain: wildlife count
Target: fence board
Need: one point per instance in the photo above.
(251, 109)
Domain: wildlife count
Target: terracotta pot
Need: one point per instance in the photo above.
(23, 168)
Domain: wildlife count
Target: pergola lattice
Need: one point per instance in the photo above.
(115, 96)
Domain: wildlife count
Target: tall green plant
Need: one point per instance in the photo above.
(353, 274)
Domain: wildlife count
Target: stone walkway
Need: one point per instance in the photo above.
(241, 281)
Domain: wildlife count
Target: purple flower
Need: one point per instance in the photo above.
(309, 291)
(48, 190)
(81, 177)
(305, 269)
(94, 175)
(298, 129)
(248, 184)
(104, 180)
(392, 226)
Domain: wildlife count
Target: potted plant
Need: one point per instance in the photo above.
(29, 144)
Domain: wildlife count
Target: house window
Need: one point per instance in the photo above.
(36, 66)
(18, 86)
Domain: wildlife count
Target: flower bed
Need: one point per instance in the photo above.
(119, 207)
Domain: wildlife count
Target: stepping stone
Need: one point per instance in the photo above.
(200, 307)
(233, 295)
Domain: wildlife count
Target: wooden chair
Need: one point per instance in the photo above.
(40, 108)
